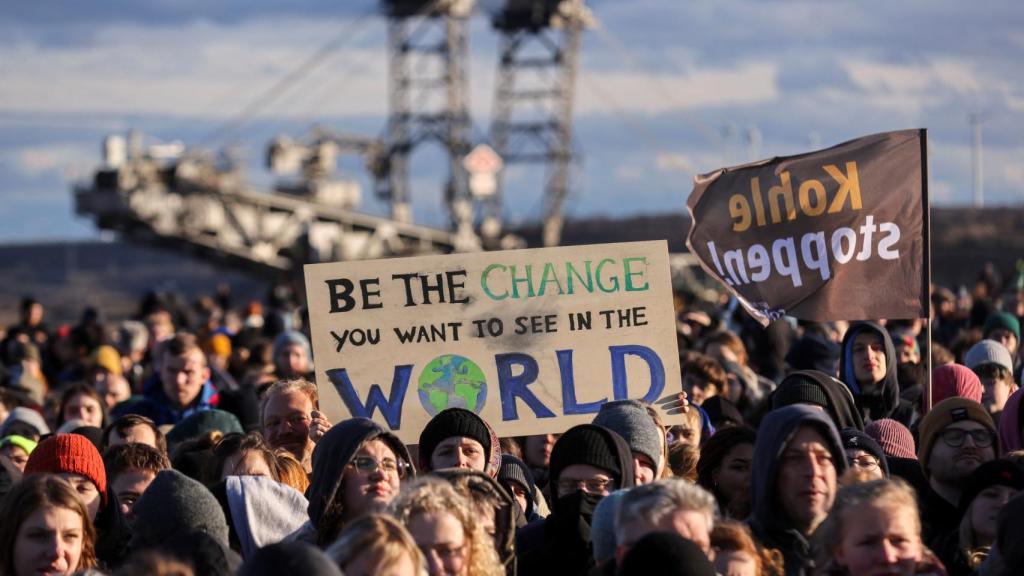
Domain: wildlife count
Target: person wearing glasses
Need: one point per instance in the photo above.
(864, 455)
(956, 437)
(588, 463)
(449, 533)
(358, 469)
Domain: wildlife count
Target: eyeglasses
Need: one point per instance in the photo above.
(954, 437)
(445, 552)
(368, 465)
(590, 485)
(864, 462)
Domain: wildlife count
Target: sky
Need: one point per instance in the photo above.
(667, 89)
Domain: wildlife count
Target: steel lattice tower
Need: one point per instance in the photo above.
(428, 101)
(534, 97)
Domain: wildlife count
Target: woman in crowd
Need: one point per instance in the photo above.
(874, 528)
(46, 529)
(74, 458)
(243, 455)
(82, 402)
(724, 469)
(446, 530)
(988, 489)
(358, 469)
(377, 545)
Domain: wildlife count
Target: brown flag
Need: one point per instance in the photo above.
(837, 234)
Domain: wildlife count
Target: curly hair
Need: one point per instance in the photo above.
(379, 536)
(429, 495)
(36, 492)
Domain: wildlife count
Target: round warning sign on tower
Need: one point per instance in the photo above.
(483, 165)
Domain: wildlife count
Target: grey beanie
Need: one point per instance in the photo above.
(289, 337)
(629, 419)
(602, 527)
(988, 352)
(28, 416)
(175, 504)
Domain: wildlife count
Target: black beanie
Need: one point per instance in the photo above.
(668, 554)
(992, 473)
(854, 439)
(799, 390)
(720, 411)
(453, 422)
(513, 470)
(585, 444)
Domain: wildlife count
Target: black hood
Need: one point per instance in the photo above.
(334, 452)
(840, 404)
(877, 400)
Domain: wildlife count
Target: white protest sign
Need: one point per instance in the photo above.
(534, 341)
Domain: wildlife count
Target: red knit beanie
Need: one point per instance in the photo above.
(894, 438)
(955, 380)
(72, 453)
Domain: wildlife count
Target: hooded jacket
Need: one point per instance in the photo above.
(330, 459)
(840, 401)
(263, 511)
(479, 484)
(768, 523)
(878, 399)
(560, 543)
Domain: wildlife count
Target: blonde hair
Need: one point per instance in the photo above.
(291, 471)
(891, 491)
(434, 496)
(381, 537)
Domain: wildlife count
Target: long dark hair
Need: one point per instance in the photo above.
(31, 494)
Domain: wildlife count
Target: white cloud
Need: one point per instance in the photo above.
(197, 70)
(745, 84)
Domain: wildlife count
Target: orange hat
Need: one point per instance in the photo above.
(220, 345)
(72, 453)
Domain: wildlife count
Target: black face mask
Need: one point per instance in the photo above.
(578, 505)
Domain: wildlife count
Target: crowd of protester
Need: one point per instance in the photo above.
(189, 440)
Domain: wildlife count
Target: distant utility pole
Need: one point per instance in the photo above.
(753, 143)
(977, 168)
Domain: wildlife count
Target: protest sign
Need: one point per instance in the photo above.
(837, 234)
(532, 340)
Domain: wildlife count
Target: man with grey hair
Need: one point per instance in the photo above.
(289, 418)
(668, 505)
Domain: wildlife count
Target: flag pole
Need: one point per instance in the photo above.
(926, 289)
